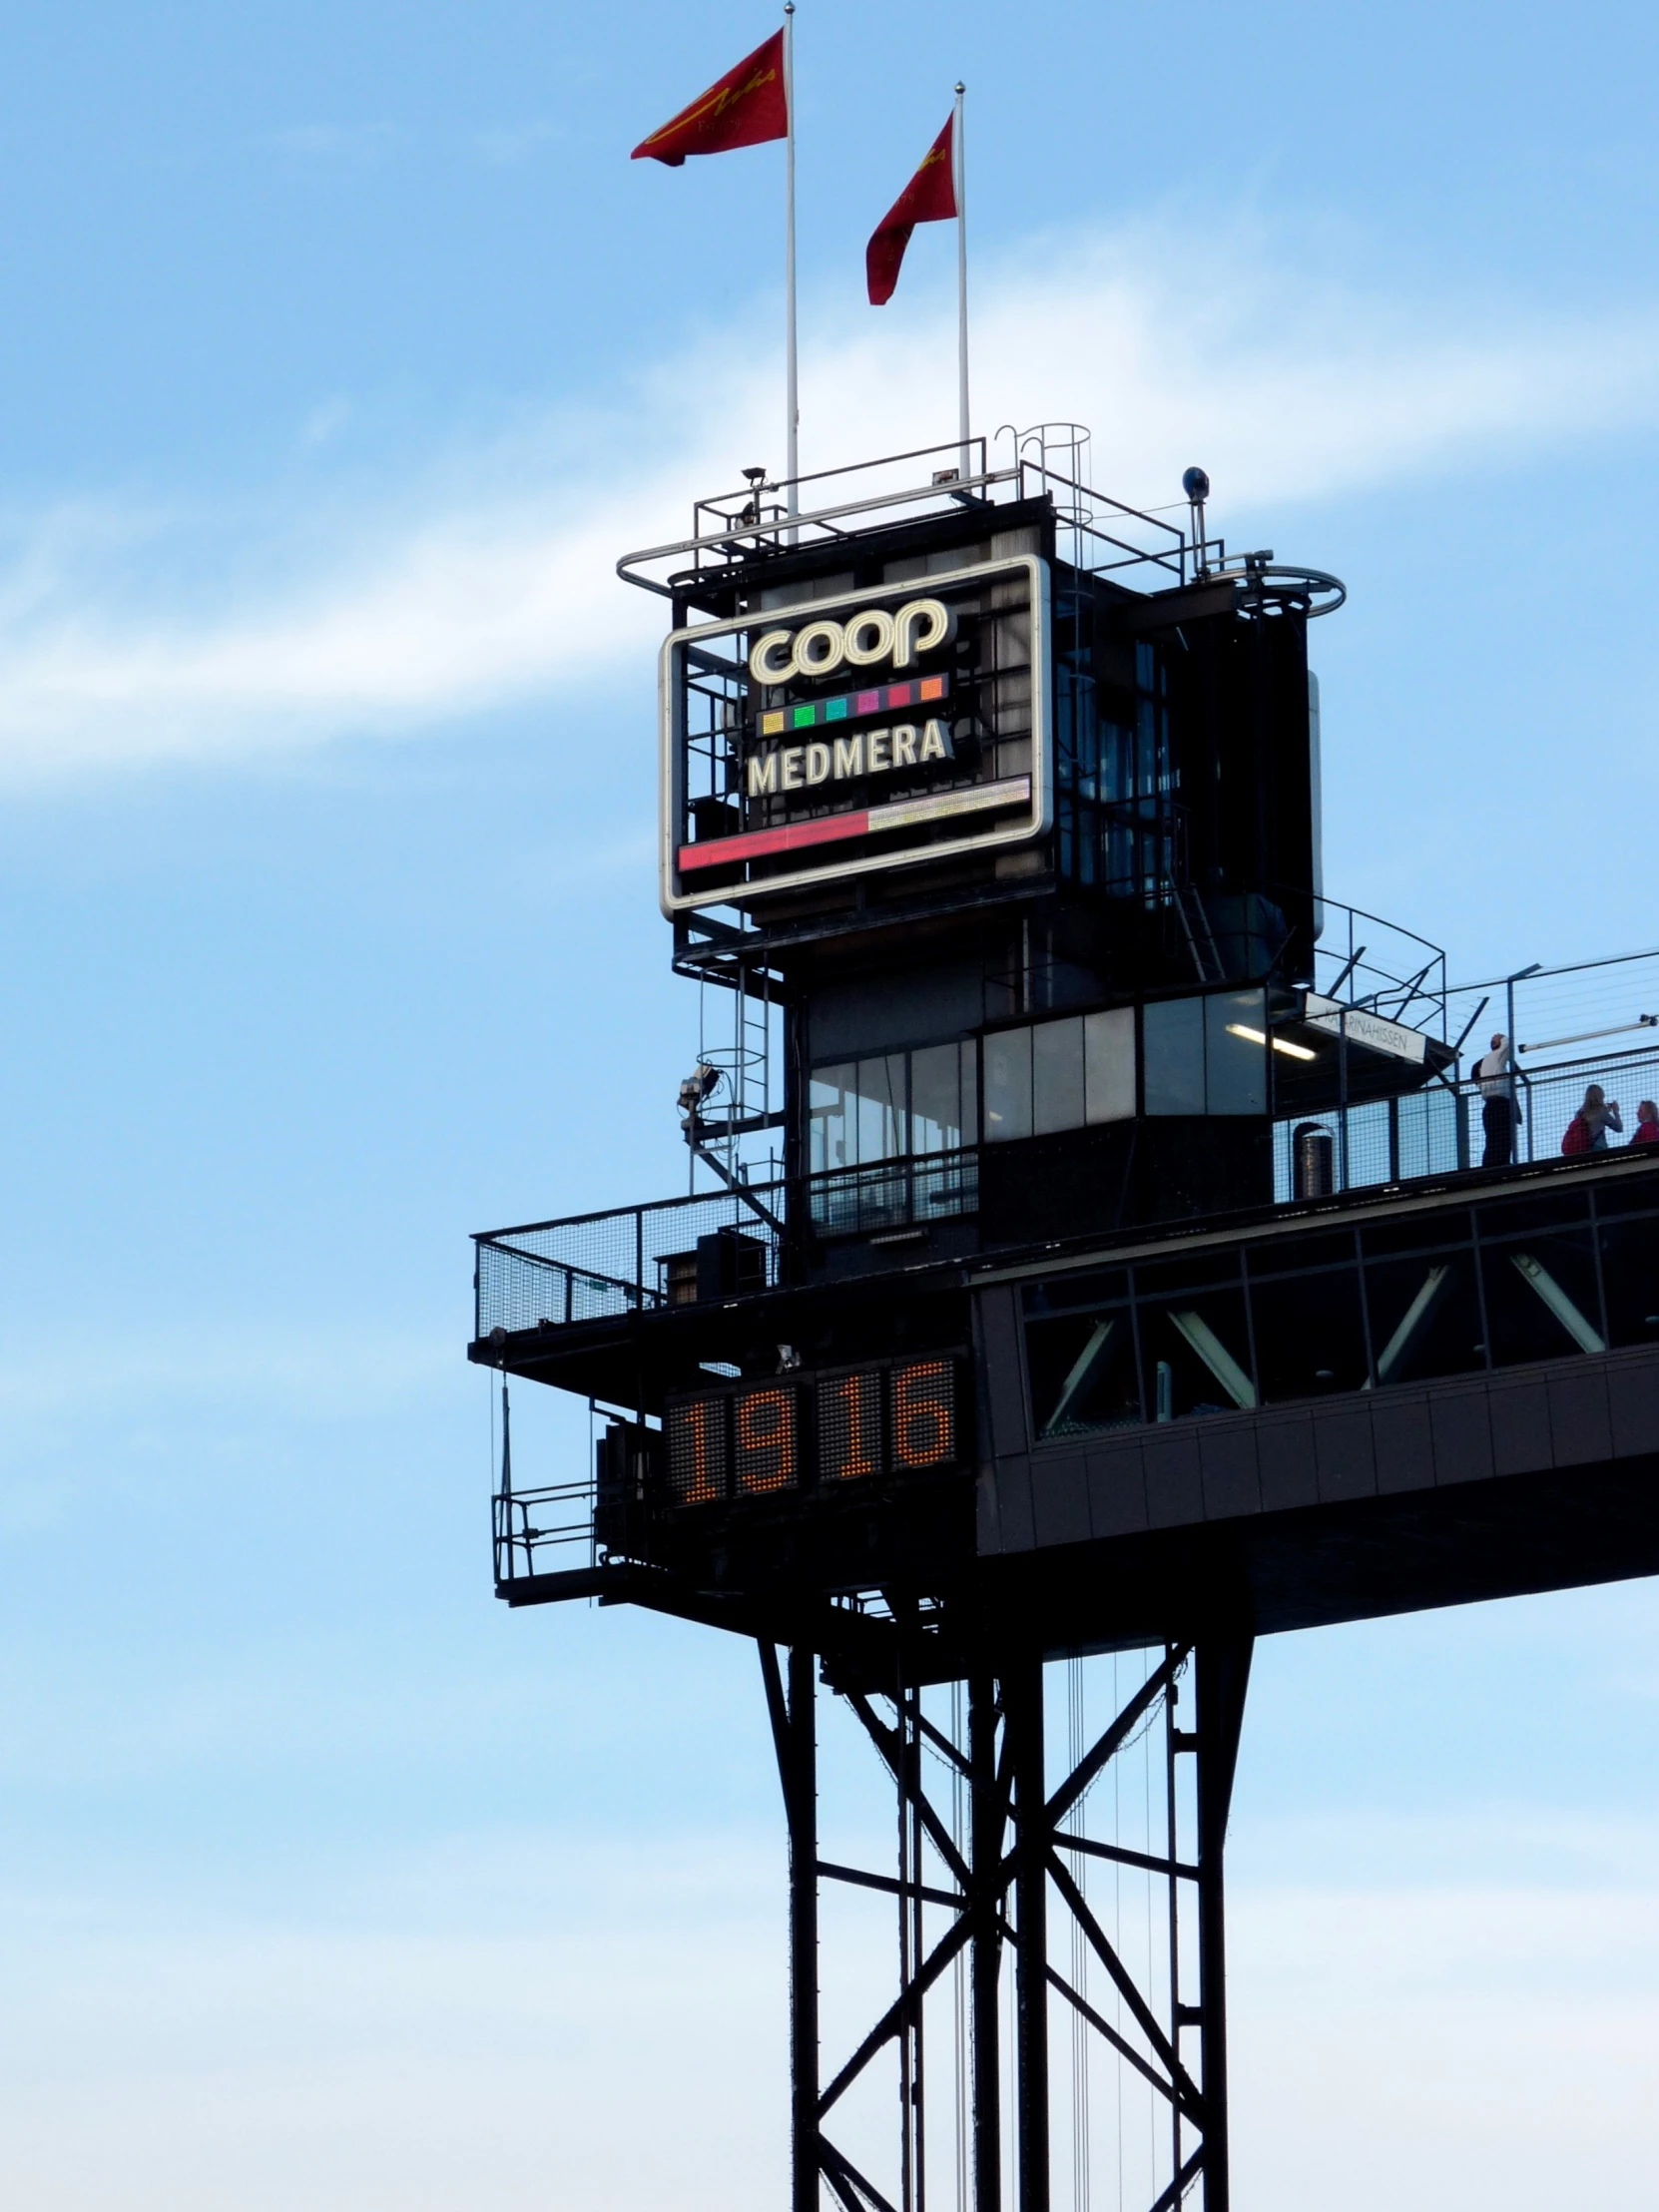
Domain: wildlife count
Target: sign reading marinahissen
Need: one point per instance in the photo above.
(873, 730)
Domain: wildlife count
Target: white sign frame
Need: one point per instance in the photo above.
(1035, 819)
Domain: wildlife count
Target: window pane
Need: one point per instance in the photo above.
(1630, 1276)
(1425, 1317)
(936, 1099)
(830, 1118)
(1309, 1335)
(1083, 1374)
(1541, 1298)
(970, 1090)
(1007, 1085)
(1174, 1034)
(881, 1115)
(1235, 1055)
(1196, 1355)
(1109, 1066)
(1057, 1075)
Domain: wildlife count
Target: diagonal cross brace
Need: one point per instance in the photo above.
(1153, 1688)
(887, 1743)
(1187, 2093)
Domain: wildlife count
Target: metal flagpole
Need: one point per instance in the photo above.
(792, 402)
(961, 182)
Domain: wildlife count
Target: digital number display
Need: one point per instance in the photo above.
(897, 1419)
(849, 1426)
(697, 1450)
(925, 1414)
(764, 1456)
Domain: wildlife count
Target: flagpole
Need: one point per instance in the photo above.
(960, 149)
(792, 399)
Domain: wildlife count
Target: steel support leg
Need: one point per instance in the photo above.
(986, 1829)
(1022, 1706)
(1223, 1675)
(800, 1807)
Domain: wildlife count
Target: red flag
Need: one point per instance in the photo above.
(746, 108)
(930, 197)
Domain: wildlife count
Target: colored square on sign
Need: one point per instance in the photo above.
(836, 711)
(932, 686)
(772, 725)
(901, 695)
(805, 717)
(869, 703)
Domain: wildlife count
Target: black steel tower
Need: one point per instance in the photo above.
(1066, 1320)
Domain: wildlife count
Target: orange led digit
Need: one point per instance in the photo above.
(765, 1441)
(849, 1426)
(924, 1415)
(697, 1451)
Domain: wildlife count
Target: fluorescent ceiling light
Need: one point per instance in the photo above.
(1280, 1044)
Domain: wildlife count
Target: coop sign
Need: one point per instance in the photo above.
(842, 736)
(869, 639)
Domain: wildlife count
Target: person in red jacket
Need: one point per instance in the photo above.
(1647, 1123)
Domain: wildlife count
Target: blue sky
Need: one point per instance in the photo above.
(345, 350)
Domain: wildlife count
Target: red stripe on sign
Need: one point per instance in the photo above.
(830, 829)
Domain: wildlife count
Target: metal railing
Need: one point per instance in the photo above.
(544, 1530)
(1439, 1129)
(630, 1258)
(927, 479)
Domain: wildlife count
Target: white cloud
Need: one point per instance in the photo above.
(491, 581)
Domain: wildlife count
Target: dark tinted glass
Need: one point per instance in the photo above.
(1156, 1278)
(1173, 1055)
(1639, 1194)
(1540, 1210)
(1065, 1293)
(1542, 1297)
(1287, 1254)
(1630, 1279)
(1195, 1354)
(1083, 1374)
(1425, 1317)
(1415, 1233)
(1309, 1333)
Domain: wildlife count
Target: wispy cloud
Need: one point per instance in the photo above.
(491, 580)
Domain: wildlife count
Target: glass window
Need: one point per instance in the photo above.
(1310, 1329)
(944, 1102)
(1172, 1029)
(1236, 1054)
(1425, 1317)
(1630, 1276)
(1542, 1297)
(1083, 1374)
(1057, 1075)
(1007, 1085)
(1109, 1064)
(831, 1117)
(1195, 1353)
(882, 1117)
(856, 1113)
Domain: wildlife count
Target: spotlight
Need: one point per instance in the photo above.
(697, 1085)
